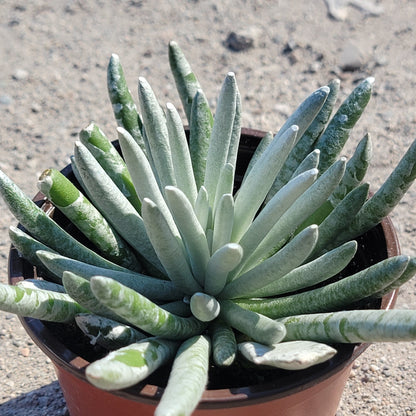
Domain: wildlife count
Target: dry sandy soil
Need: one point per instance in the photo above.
(53, 58)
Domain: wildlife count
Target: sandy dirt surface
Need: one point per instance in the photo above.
(53, 58)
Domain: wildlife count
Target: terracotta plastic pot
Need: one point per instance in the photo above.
(312, 392)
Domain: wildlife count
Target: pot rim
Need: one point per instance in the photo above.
(63, 357)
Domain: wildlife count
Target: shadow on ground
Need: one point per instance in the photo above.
(46, 401)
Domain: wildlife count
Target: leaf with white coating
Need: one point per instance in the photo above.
(224, 345)
(340, 218)
(404, 278)
(286, 259)
(156, 133)
(257, 184)
(311, 161)
(187, 379)
(305, 143)
(78, 177)
(106, 332)
(168, 248)
(79, 289)
(181, 158)
(27, 247)
(353, 326)
(272, 212)
(124, 108)
(355, 170)
(333, 296)
(41, 284)
(225, 184)
(143, 313)
(202, 208)
(294, 355)
(313, 272)
(129, 365)
(387, 196)
(44, 228)
(306, 111)
(221, 134)
(142, 175)
(200, 128)
(333, 139)
(185, 79)
(236, 132)
(111, 161)
(114, 205)
(258, 327)
(192, 233)
(38, 303)
(152, 288)
(223, 222)
(86, 217)
(300, 210)
(221, 263)
(204, 307)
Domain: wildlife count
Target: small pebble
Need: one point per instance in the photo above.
(238, 42)
(20, 75)
(5, 99)
(25, 351)
(374, 368)
(36, 108)
(351, 58)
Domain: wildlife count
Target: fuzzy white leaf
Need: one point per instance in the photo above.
(293, 355)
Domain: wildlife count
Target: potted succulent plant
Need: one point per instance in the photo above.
(184, 256)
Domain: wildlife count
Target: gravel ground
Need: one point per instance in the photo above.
(53, 83)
